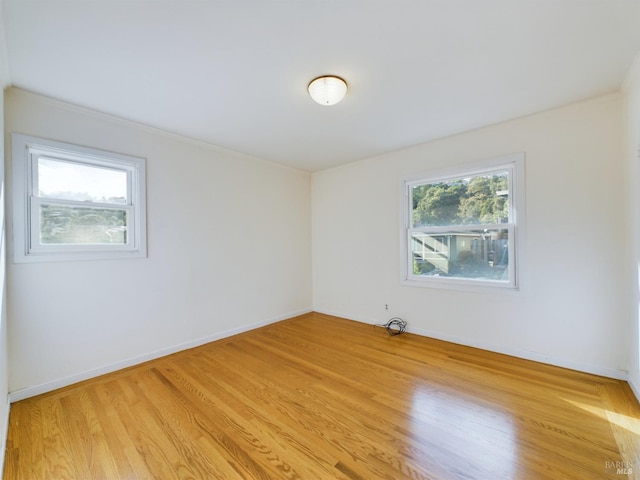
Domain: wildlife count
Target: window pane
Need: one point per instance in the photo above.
(81, 182)
(481, 199)
(63, 224)
(476, 254)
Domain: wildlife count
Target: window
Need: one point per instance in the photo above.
(462, 227)
(76, 203)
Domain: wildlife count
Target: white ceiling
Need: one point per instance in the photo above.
(234, 72)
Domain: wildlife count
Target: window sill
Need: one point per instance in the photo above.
(461, 285)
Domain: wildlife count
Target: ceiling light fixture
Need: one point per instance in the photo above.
(327, 90)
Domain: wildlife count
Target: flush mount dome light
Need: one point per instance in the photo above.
(327, 90)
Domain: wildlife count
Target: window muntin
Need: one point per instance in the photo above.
(460, 228)
(76, 203)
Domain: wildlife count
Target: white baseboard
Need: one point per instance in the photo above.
(3, 441)
(28, 392)
(32, 391)
(634, 387)
(514, 352)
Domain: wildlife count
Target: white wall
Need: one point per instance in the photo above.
(631, 91)
(573, 309)
(228, 249)
(4, 357)
(4, 378)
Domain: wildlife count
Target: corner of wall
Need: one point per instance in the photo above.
(631, 91)
(635, 387)
(632, 78)
(4, 416)
(5, 81)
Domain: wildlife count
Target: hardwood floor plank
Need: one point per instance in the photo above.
(272, 440)
(264, 418)
(319, 397)
(105, 398)
(238, 438)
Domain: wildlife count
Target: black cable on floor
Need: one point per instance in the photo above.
(395, 326)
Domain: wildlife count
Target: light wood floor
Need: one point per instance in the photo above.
(317, 398)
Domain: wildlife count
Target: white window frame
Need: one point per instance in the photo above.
(515, 164)
(26, 150)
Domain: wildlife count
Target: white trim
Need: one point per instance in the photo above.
(515, 163)
(5, 433)
(513, 352)
(25, 152)
(634, 387)
(28, 392)
(526, 355)
(371, 321)
(474, 168)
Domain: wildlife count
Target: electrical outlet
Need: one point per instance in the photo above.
(386, 306)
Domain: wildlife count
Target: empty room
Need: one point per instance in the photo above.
(320, 239)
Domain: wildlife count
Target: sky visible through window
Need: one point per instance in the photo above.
(73, 181)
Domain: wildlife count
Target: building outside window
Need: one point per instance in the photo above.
(462, 227)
